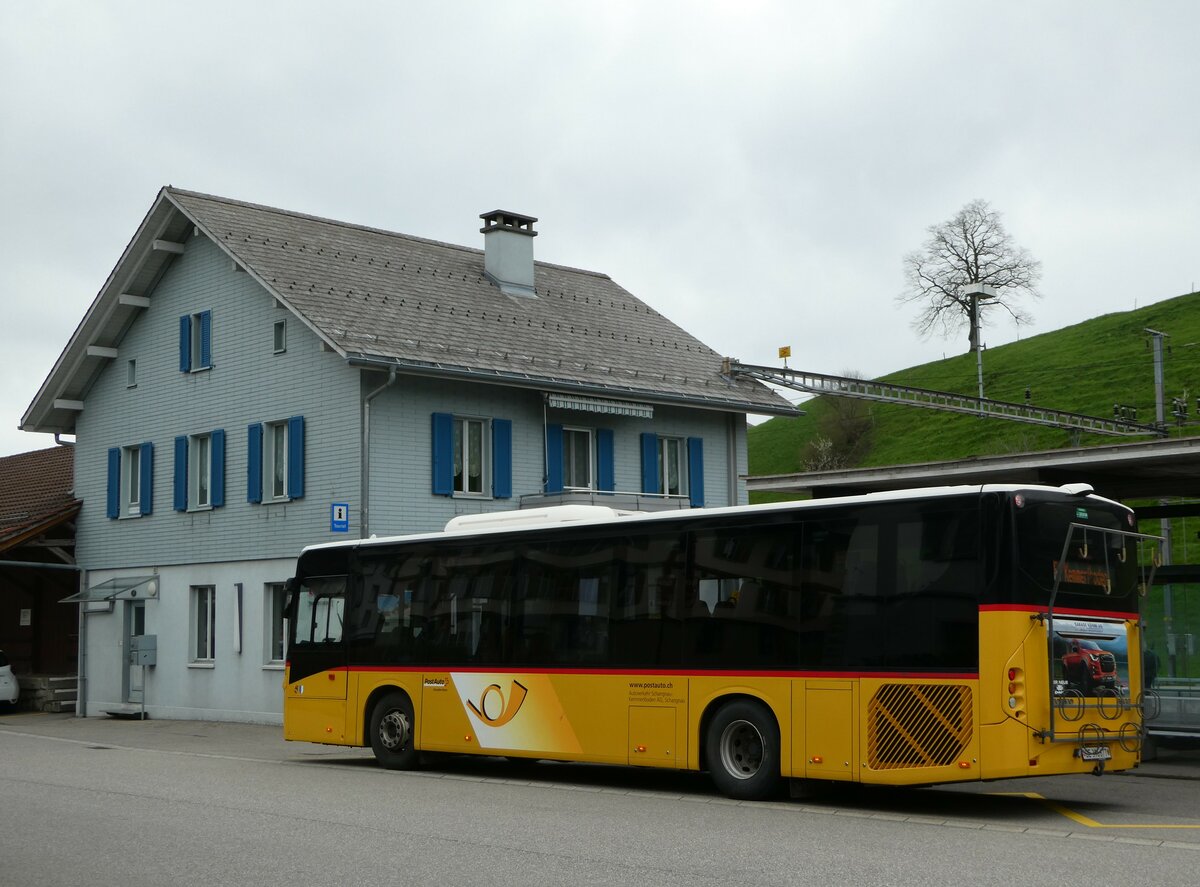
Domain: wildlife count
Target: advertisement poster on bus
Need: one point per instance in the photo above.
(1090, 657)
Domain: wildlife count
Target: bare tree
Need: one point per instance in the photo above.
(971, 247)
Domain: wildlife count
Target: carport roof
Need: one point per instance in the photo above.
(1148, 470)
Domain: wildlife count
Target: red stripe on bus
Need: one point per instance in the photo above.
(1074, 611)
(665, 673)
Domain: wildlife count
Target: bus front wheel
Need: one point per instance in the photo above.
(392, 732)
(741, 750)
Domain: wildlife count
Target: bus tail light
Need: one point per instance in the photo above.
(1016, 691)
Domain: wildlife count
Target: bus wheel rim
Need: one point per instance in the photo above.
(393, 730)
(741, 749)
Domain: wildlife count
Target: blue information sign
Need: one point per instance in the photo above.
(339, 517)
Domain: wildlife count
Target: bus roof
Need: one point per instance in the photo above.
(522, 520)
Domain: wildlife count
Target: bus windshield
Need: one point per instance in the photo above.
(320, 607)
(1100, 569)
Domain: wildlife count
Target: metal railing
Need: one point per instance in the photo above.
(889, 392)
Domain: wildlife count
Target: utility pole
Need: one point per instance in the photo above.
(1160, 418)
(978, 292)
(1160, 414)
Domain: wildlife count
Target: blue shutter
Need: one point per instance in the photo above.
(113, 508)
(554, 458)
(502, 458)
(185, 344)
(254, 460)
(206, 339)
(216, 492)
(146, 480)
(181, 472)
(295, 444)
(443, 454)
(606, 469)
(649, 462)
(695, 449)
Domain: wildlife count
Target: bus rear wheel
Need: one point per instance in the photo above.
(741, 750)
(392, 732)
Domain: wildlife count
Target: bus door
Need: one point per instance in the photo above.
(317, 657)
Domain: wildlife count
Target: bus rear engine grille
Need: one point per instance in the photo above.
(918, 725)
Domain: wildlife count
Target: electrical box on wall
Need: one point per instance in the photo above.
(143, 649)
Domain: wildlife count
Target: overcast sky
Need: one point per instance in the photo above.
(755, 171)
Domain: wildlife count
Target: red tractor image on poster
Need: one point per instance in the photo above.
(1088, 667)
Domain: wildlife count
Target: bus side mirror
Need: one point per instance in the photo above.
(289, 593)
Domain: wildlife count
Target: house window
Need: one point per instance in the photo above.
(130, 481)
(472, 456)
(577, 458)
(280, 336)
(131, 374)
(203, 623)
(131, 471)
(275, 461)
(672, 466)
(200, 471)
(275, 467)
(276, 627)
(195, 342)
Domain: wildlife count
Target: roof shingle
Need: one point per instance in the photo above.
(378, 296)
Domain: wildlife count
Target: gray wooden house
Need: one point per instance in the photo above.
(250, 380)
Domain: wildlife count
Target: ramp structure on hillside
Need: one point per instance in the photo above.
(889, 392)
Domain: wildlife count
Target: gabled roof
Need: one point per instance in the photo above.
(35, 493)
(383, 299)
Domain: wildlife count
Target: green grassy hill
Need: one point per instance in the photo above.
(1084, 368)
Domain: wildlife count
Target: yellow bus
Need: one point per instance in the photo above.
(917, 637)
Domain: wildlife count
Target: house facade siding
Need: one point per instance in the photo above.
(401, 446)
(248, 383)
(242, 683)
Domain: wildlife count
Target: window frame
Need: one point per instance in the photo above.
(195, 332)
(460, 481)
(131, 481)
(196, 444)
(679, 444)
(279, 336)
(275, 624)
(131, 373)
(275, 436)
(571, 435)
(202, 616)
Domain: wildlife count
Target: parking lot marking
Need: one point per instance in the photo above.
(1086, 820)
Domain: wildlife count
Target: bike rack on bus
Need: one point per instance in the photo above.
(1109, 705)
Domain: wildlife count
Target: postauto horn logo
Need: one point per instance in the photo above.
(494, 708)
(493, 701)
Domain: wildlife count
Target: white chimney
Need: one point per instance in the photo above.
(508, 251)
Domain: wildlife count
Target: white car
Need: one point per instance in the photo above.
(9, 688)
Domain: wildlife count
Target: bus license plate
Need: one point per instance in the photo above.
(1100, 753)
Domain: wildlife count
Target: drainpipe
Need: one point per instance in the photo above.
(365, 456)
(732, 451)
(81, 679)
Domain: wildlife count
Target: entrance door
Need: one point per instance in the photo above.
(135, 626)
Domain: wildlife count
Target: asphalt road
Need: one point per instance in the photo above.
(103, 802)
